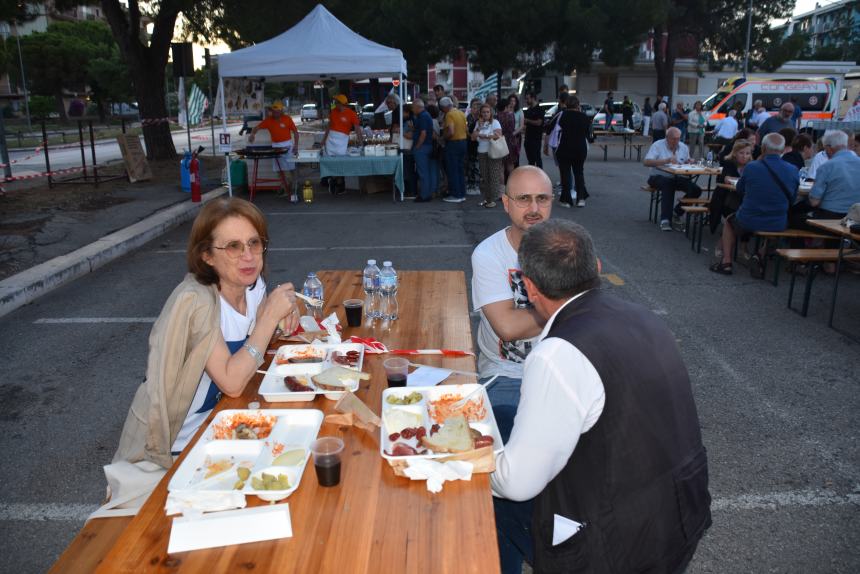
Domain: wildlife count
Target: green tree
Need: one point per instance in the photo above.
(145, 56)
(57, 59)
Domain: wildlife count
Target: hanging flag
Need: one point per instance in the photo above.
(195, 105)
(183, 121)
(487, 88)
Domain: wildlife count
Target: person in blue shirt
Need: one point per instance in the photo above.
(768, 187)
(837, 182)
(797, 115)
(422, 151)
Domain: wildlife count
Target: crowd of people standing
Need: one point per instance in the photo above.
(454, 153)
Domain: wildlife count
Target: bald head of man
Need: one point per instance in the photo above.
(528, 197)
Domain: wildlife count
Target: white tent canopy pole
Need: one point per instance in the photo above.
(224, 125)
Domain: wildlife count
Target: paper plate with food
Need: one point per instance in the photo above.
(301, 372)
(260, 452)
(434, 422)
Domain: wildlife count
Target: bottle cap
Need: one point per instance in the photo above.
(386, 263)
(312, 274)
(371, 261)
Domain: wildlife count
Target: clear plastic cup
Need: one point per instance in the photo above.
(326, 452)
(354, 309)
(396, 371)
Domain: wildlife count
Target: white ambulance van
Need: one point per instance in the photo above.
(817, 97)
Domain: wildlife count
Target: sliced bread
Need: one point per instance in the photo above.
(337, 378)
(454, 436)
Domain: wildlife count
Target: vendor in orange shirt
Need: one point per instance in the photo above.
(342, 120)
(284, 134)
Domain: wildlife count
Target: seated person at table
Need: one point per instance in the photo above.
(341, 122)
(284, 135)
(607, 497)
(724, 201)
(744, 134)
(837, 185)
(509, 322)
(726, 128)
(801, 151)
(211, 334)
(670, 150)
(768, 188)
(788, 134)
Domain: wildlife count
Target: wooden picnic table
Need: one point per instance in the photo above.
(373, 521)
(692, 171)
(852, 240)
(627, 142)
(731, 183)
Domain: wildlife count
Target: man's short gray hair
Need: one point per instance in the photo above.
(446, 102)
(418, 102)
(773, 142)
(758, 103)
(662, 106)
(558, 256)
(835, 139)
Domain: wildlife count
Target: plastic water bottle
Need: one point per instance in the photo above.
(804, 173)
(370, 284)
(388, 289)
(313, 288)
(710, 158)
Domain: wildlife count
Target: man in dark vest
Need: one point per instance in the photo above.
(606, 439)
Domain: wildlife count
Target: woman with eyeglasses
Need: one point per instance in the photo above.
(211, 334)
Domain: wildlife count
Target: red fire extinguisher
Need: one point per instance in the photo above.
(194, 173)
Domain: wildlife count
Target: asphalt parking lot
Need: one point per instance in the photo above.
(777, 393)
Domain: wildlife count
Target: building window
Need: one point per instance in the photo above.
(688, 86)
(607, 82)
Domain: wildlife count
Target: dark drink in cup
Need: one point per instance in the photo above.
(396, 380)
(354, 311)
(326, 451)
(328, 470)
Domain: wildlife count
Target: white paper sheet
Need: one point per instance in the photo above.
(230, 527)
(427, 376)
(563, 528)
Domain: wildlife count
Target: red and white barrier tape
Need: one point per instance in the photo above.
(36, 152)
(44, 174)
(154, 121)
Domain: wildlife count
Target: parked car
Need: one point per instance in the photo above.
(617, 120)
(551, 109)
(309, 112)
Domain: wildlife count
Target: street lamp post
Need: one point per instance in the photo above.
(23, 79)
(749, 33)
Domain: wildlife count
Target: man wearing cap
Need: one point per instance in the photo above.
(284, 135)
(342, 120)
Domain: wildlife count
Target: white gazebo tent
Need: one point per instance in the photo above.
(318, 47)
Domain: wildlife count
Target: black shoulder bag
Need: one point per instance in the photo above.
(797, 213)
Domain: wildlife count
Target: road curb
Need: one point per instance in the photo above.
(31, 284)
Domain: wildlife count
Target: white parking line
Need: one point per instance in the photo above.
(63, 320)
(353, 247)
(773, 501)
(352, 213)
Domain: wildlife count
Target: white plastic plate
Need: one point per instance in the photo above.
(274, 389)
(486, 425)
(293, 429)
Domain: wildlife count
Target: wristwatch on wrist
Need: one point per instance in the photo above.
(257, 355)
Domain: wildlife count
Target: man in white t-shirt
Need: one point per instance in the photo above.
(509, 323)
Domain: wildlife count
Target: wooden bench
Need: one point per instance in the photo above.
(780, 236)
(814, 258)
(653, 203)
(699, 216)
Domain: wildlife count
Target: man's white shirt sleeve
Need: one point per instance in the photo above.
(562, 397)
